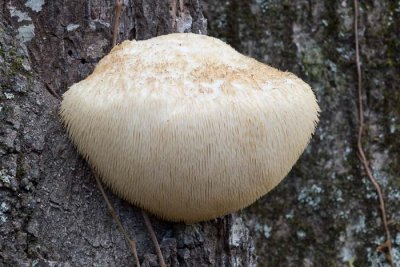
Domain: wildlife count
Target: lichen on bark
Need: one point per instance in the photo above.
(51, 212)
(326, 212)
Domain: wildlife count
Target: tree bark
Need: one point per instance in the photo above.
(51, 212)
(326, 212)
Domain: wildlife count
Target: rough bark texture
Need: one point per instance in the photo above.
(326, 213)
(51, 212)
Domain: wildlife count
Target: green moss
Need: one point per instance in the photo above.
(12, 67)
(13, 52)
(15, 67)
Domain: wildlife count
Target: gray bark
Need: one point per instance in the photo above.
(326, 212)
(51, 212)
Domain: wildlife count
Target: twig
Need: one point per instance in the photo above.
(51, 90)
(131, 243)
(181, 5)
(172, 8)
(153, 238)
(360, 148)
(117, 17)
(176, 9)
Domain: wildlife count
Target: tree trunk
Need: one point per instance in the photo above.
(51, 211)
(326, 212)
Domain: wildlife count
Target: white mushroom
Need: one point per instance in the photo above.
(187, 128)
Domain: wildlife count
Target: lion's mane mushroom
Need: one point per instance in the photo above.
(187, 128)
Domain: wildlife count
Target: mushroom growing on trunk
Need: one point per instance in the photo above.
(187, 128)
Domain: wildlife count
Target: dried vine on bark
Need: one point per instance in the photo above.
(111, 209)
(361, 153)
(131, 242)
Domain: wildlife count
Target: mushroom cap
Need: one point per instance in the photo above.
(186, 127)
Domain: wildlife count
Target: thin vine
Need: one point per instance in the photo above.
(386, 247)
(131, 242)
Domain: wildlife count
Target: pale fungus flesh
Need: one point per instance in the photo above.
(187, 128)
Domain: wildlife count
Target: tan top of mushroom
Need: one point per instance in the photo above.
(187, 128)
